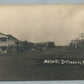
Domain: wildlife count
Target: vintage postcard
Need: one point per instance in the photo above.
(42, 42)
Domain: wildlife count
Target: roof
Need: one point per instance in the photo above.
(44, 42)
(10, 36)
(3, 34)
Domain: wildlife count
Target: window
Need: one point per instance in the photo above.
(3, 39)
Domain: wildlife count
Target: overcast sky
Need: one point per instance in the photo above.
(42, 23)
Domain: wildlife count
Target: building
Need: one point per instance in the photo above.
(77, 44)
(22, 46)
(7, 41)
(44, 45)
(9, 44)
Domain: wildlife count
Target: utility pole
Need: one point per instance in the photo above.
(7, 45)
(81, 35)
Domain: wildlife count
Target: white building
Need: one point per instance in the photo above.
(7, 41)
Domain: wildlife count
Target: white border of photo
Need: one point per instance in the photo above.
(41, 1)
(6, 2)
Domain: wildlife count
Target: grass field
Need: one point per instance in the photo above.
(25, 66)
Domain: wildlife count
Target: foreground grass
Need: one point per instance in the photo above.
(25, 66)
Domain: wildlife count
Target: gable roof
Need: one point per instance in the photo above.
(9, 36)
(2, 34)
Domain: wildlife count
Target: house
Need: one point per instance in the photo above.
(7, 41)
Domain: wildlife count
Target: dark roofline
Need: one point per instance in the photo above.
(3, 34)
(44, 42)
(9, 36)
(12, 37)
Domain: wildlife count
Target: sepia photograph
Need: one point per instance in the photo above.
(41, 42)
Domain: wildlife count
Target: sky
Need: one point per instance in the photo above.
(42, 23)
